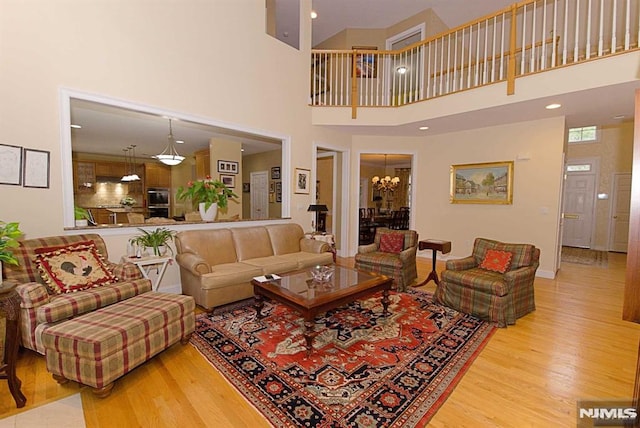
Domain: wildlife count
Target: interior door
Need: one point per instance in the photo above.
(620, 210)
(259, 195)
(579, 196)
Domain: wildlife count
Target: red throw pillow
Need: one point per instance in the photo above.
(392, 243)
(73, 267)
(496, 261)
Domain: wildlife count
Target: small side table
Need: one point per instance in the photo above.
(435, 245)
(10, 309)
(145, 264)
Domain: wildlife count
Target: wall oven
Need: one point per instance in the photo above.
(158, 201)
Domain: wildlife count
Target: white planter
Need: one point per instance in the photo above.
(210, 214)
(162, 250)
(82, 223)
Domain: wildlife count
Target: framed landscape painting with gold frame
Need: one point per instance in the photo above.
(482, 183)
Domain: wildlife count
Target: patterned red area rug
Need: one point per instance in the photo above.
(365, 370)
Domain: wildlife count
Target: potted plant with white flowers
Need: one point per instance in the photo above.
(127, 202)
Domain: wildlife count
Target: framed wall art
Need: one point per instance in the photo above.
(301, 180)
(275, 173)
(228, 180)
(36, 169)
(366, 64)
(227, 167)
(278, 191)
(10, 164)
(482, 183)
(246, 187)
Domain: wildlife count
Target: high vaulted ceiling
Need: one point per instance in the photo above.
(102, 125)
(336, 15)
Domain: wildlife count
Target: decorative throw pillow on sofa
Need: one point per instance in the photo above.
(73, 267)
(392, 243)
(496, 261)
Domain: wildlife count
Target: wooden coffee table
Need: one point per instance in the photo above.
(299, 292)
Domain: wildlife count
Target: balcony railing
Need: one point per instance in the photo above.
(527, 37)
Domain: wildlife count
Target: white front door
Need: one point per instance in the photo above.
(259, 194)
(620, 210)
(579, 195)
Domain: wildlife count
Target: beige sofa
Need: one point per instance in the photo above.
(217, 265)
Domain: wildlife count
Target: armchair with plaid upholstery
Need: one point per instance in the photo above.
(475, 286)
(40, 307)
(401, 265)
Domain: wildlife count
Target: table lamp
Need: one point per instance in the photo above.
(317, 209)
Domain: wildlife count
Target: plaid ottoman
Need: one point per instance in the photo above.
(97, 348)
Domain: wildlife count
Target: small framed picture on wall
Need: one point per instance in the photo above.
(275, 173)
(36, 169)
(228, 180)
(301, 180)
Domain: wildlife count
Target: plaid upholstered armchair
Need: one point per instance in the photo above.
(494, 283)
(393, 253)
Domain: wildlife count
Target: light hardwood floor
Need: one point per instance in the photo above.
(574, 346)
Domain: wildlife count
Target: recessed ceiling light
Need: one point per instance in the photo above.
(314, 15)
(402, 69)
(553, 106)
(179, 141)
(76, 126)
(423, 128)
(618, 116)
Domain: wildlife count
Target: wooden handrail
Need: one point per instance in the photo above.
(497, 56)
(466, 56)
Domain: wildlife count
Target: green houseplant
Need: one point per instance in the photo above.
(161, 237)
(207, 191)
(209, 194)
(81, 216)
(9, 234)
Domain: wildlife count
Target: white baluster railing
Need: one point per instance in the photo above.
(527, 37)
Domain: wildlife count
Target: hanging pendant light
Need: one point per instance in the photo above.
(133, 176)
(126, 177)
(170, 155)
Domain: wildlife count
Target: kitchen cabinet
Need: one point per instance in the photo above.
(84, 177)
(110, 169)
(157, 175)
(203, 163)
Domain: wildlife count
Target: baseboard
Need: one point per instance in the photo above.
(546, 274)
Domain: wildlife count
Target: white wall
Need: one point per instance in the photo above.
(168, 55)
(533, 216)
